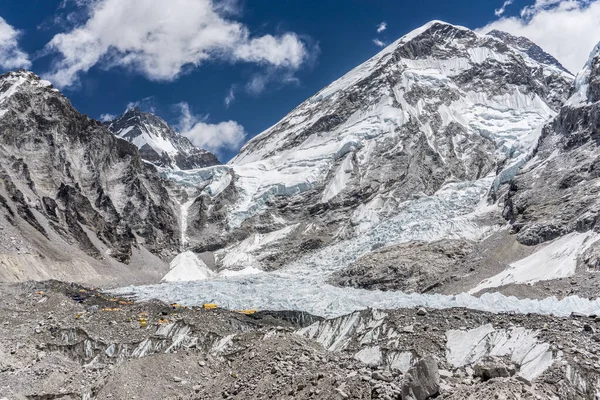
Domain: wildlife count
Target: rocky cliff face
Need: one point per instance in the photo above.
(556, 192)
(69, 186)
(440, 106)
(529, 48)
(158, 143)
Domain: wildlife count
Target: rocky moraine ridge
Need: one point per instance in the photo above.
(60, 341)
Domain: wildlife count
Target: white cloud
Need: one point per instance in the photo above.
(227, 135)
(381, 27)
(147, 104)
(378, 43)
(230, 98)
(567, 29)
(259, 82)
(107, 117)
(11, 56)
(540, 5)
(498, 12)
(162, 39)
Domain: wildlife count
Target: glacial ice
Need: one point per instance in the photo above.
(582, 81)
(450, 213)
(518, 343)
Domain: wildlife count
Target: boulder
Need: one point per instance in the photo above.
(422, 381)
(491, 368)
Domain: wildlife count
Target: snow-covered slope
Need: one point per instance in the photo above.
(441, 105)
(158, 142)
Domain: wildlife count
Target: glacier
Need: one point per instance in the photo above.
(450, 213)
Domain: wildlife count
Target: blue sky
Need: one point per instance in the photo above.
(264, 56)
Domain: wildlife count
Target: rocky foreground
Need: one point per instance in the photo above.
(61, 341)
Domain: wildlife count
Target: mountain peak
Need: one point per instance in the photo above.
(133, 111)
(446, 30)
(158, 142)
(12, 80)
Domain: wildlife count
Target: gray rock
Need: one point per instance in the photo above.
(422, 381)
(493, 368)
(410, 267)
(74, 198)
(382, 376)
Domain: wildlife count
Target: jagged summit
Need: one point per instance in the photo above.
(528, 47)
(427, 47)
(434, 26)
(158, 142)
(13, 81)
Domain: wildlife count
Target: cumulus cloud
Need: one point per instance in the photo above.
(381, 27)
(11, 56)
(567, 29)
(502, 9)
(163, 39)
(217, 138)
(378, 43)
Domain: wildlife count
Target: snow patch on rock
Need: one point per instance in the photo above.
(553, 261)
(187, 267)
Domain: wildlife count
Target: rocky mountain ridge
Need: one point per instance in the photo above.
(70, 189)
(158, 143)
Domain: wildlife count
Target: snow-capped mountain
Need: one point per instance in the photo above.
(441, 106)
(76, 202)
(158, 142)
(422, 152)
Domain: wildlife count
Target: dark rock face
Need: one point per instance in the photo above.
(557, 191)
(158, 143)
(66, 173)
(491, 368)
